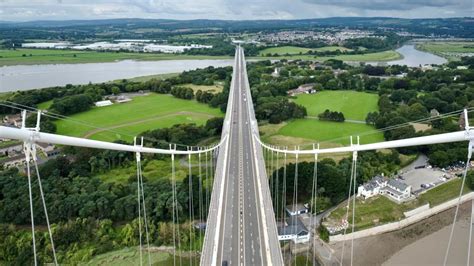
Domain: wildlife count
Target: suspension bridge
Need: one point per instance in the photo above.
(243, 208)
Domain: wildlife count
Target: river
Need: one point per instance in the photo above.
(26, 77)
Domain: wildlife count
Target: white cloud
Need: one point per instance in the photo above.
(20, 10)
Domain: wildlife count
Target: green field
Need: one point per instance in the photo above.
(447, 49)
(378, 56)
(141, 114)
(354, 105)
(325, 131)
(45, 105)
(149, 77)
(282, 50)
(130, 256)
(50, 56)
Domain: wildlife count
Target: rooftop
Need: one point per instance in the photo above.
(397, 184)
(294, 226)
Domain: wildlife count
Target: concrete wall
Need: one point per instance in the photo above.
(417, 210)
(402, 223)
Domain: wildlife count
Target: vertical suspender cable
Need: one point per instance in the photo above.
(272, 179)
(173, 189)
(458, 203)
(137, 155)
(44, 208)
(354, 162)
(283, 196)
(347, 212)
(295, 191)
(470, 234)
(200, 196)
(145, 218)
(27, 150)
(190, 184)
(313, 202)
(277, 192)
(207, 185)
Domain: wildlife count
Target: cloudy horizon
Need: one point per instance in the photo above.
(24, 10)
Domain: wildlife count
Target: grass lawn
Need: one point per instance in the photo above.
(50, 56)
(374, 211)
(45, 105)
(443, 193)
(355, 105)
(378, 56)
(131, 256)
(282, 50)
(142, 113)
(335, 132)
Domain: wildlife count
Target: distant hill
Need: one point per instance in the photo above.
(457, 27)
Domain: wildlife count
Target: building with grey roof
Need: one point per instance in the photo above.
(379, 185)
(293, 230)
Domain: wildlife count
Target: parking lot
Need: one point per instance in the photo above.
(415, 176)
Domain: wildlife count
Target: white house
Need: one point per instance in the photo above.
(372, 188)
(391, 188)
(297, 209)
(397, 190)
(293, 230)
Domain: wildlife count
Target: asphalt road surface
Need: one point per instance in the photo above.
(241, 211)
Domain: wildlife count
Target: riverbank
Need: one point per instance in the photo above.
(385, 246)
(10, 57)
(26, 77)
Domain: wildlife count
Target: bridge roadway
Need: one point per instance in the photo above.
(241, 228)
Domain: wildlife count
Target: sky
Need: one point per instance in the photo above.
(27, 10)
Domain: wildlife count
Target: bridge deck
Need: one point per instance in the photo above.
(241, 225)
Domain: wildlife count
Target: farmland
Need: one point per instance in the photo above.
(282, 50)
(449, 50)
(50, 56)
(377, 56)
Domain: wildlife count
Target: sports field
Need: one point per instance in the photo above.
(282, 50)
(50, 56)
(141, 114)
(353, 104)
